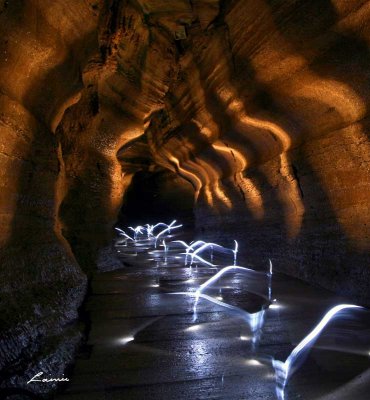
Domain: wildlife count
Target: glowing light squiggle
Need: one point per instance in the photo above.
(219, 274)
(254, 321)
(270, 281)
(137, 230)
(153, 227)
(235, 251)
(168, 229)
(284, 370)
(123, 233)
(214, 246)
(205, 261)
(190, 246)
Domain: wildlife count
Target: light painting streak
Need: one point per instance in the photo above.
(219, 274)
(255, 321)
(137, 230)
(270, 281)
(235, 251)
(186, 246)
(164, 245)
(204, 261)
(150, 228)
(204, 247)
(283, 370)
(214, 246)
(123, 233)
(165, 251)
(170, 227)
(126, 340)
(189, 247)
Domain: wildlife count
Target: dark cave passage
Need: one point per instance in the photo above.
(159, 196)
(247, 122)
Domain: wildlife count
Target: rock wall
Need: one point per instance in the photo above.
(43, 47)
(261, 106)
(269, 121)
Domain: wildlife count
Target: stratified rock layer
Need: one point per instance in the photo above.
(260, 106)
(43, 47)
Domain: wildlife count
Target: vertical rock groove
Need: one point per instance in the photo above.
(257, 109)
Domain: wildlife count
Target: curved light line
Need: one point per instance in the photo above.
(197, 243)
(164, 245)
(283, 369)
(163, 224)
(312, 336)
(137, 229)
(212, 300)
(189, 247)
(235, 251)
(204, 261)
(254, 320)
(170, 227)
(219, 274)
(181, 242)
(206, 245)
(121, 232)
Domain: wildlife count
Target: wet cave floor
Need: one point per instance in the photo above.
(148, 341)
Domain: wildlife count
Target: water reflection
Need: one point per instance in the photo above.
(236, 289)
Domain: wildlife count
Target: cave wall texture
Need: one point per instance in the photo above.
(260, 107)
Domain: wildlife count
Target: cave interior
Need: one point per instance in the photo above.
(247, 122)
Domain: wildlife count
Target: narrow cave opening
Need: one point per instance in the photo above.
(248, 123)
(157, 196)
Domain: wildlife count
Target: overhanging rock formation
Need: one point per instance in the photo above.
(259, 107)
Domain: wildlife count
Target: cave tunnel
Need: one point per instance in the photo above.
(157, 196)
(185, 195)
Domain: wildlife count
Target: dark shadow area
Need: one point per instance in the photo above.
(157, 196)
(44, 286)
(311, 27)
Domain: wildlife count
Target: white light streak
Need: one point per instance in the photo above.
(188, 247)
(168, 229)
(126, 339)
(194, 328)
(254, 321)
(123, 233)
(204, 247)
(219, 274)
(137, 230)
(254, 363)
(164, 245)
(235, 251)
(283, 370)
(204, 261)
(212, 246)
(270, 281)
